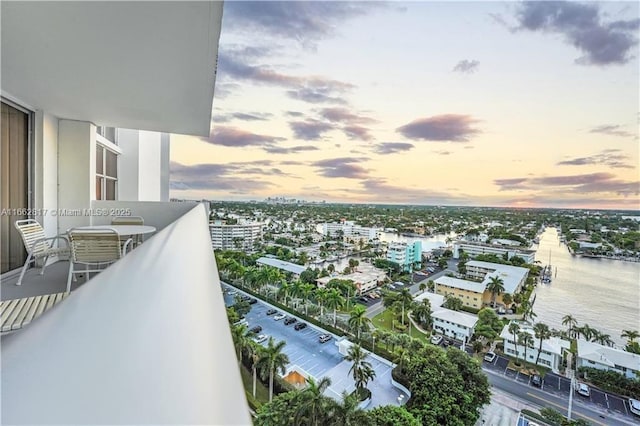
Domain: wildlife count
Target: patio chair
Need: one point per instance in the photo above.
(18, 313)
(38, 245)
(95, 249)
(130, 220)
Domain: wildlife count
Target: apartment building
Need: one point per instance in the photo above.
(349, 230)
(552, 348)
(240, 236)
(473, 290)
(473, 249)
(404, 254)
(77, 78)
(454, 324)
(595, 355)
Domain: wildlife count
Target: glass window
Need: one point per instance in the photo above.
(106, 174)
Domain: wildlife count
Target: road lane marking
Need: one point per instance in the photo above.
(564, 408)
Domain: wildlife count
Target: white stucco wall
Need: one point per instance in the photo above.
(45, 173)
(76, 172)
(149, 170)
(128, 165)
(164, 166)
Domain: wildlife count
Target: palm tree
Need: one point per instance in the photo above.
(525, 339)
(588, 332)
(630, 335)
(331, 268)
(283, 291)
(507, 299)
(240, 335)
(477, 346)
(348, 413)
(422, 313)
(334, 301)
(571, 322)
(542, 332)
(422, 287)
(272, 359)
(496, 287)
(253, 350)
(404, 296)
(602, 338)
(360, 369)
(321, 297)
(358, 320)
(514, 329)
(402, 355)
(305, 291)
(312, 403)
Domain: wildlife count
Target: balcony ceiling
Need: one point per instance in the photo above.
(139, 65)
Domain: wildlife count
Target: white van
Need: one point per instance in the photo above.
(634, 406)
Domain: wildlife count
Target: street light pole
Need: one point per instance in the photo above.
(571, 373)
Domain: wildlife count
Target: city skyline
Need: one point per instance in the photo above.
(496, 104)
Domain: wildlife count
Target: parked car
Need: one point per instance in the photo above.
(242, 321)
(279, 317)
(634, 406)
(300, 325)
(233, 293)
(271, 311)
(583, 390)
(324, 338)
(261, 338)
(363, 299)
(436, 339)
(490, 357)
(289, 320)
(253, 301)
(257, 329)
(536, 380)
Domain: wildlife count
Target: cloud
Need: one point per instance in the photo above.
(312, 89)
(392, 147)
(379, 190)
(243, 116)
(608, 157)
(342, 168)
(233, 137)
(310, 129)
(232, 177)
(443, 152)
(357, 132)
(305, 22)
(441, 128)
(583, 27)
(588, 183)
(466, 66)
(612, 130)
(290, 150)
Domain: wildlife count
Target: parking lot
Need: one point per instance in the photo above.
(309, 356)
(561, 386)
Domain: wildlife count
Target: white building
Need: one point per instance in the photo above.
(75, 75)
(349, 230)
(455, 324)
(513, 277)
(282, 265)
(240, 236)
(602, 357)
(552, 348)
(365, 278)
(474, 249)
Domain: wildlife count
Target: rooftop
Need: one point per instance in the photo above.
(456, 317)
(461, 284)
(281, 264)
(608, 356)
(554, 345)
(512, 276)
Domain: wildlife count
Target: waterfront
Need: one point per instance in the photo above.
(603, 293)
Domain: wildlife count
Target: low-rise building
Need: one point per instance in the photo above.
(602, 357)
(292, 268)
(473, 291)
(473, 249)
(455, 324)
(365, 279)
(552, 348)
(470, 292)
(240, 236)
(404, 254)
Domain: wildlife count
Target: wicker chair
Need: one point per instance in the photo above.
(95, 249)
(38, 246)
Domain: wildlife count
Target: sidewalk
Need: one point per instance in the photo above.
(503, 410)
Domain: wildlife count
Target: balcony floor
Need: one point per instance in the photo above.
(54, 280)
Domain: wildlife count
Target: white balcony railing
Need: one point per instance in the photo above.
(144, 342)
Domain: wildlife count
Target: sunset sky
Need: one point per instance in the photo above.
(437, 103)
